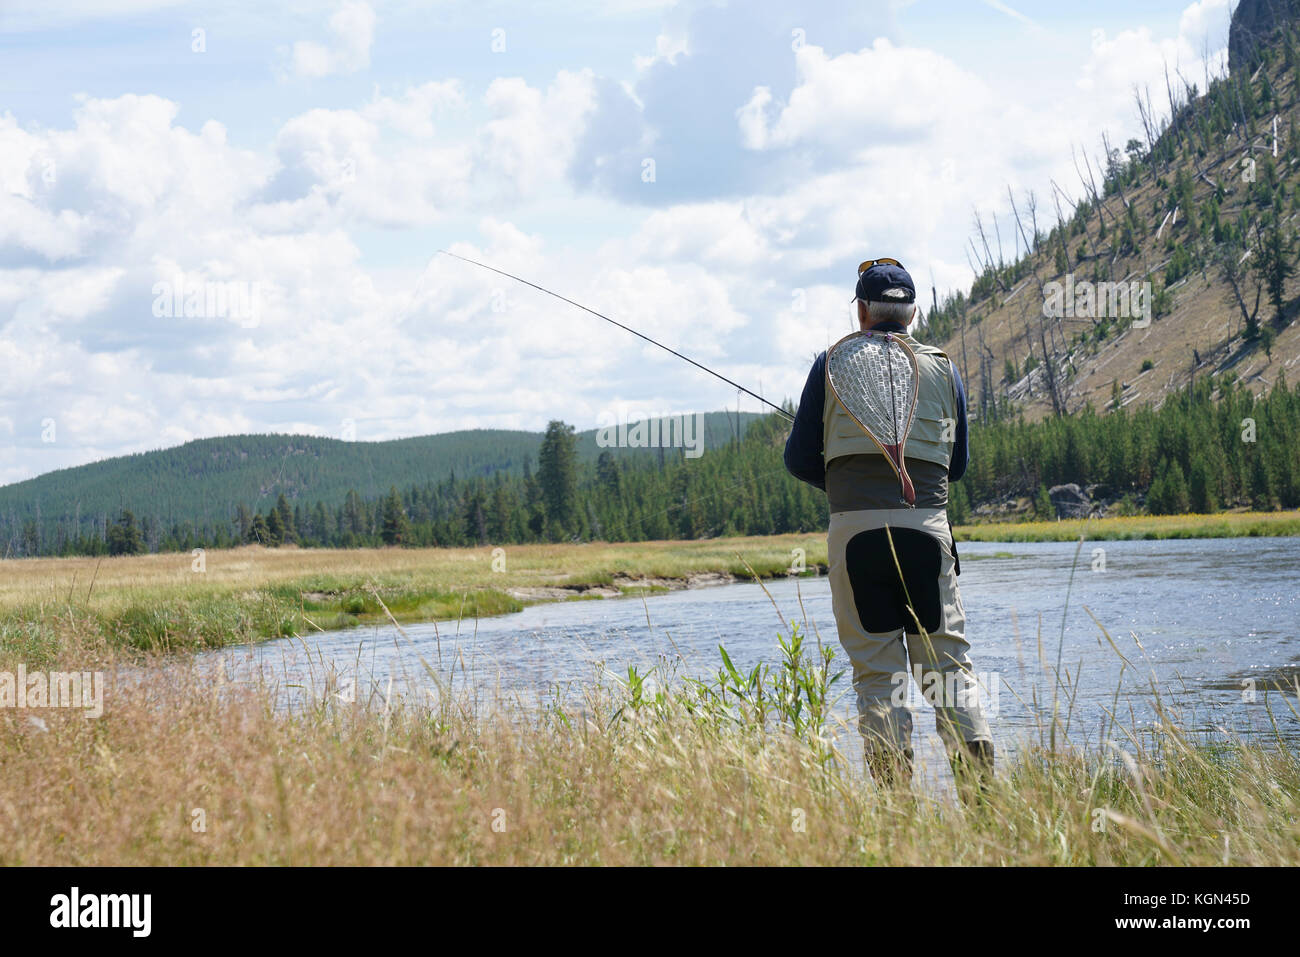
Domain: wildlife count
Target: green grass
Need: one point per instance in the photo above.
(1151, 527)
(158, 604)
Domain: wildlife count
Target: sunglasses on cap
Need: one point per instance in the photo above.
(886, 261)
(867, 264)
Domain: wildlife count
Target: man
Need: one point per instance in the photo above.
(893, 567)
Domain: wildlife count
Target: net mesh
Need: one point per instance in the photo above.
(875, 377)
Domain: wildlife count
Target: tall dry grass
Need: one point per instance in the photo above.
(187, 767)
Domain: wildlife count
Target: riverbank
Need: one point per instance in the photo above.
(179, 771)
(177, 602)
(1219, 525)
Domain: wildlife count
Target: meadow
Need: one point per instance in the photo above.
(187, 766)
(171, 602)
(1215, 525)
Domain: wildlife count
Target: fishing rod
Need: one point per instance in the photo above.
(716, 375)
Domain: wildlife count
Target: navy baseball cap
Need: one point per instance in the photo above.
(885, 280)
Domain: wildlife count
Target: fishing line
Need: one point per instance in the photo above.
(716, 375)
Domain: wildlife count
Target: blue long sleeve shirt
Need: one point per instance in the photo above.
(804, 449)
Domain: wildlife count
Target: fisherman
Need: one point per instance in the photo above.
(889, 610)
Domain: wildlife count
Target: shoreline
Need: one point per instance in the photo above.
(627, 586)
(160, 603)
(1138, 527)
(166, 602)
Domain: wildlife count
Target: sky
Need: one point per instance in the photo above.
(221, 218)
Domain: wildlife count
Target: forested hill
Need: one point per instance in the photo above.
(203, 482)
(1197, 452)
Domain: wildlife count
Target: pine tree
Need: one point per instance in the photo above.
(274, 528)
(1200, 488)
(1276, 261)
(1043, 507)
(1261, 486)
(354, 518)
(320, 524)
(607, 475)
(557, 476)
(283, 511)
(258, 533)
(396, 527)
(473, 516)
(1168, 494)
(499, 514)
(124, 536)
(958, 504)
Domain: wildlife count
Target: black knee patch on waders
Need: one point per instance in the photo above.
(877, 590)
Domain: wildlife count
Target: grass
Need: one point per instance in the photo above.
(161, 603)
(186, 769)
(1219, 525)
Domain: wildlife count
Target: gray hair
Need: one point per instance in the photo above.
(899, 312)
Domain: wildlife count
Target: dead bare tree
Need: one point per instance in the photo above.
(986, 398)
(1111, 168)
(1173, 104)
(965, 370)
(1049, 370)
(1149, 131)
(1205, 60)
(1231, 268)
(1061, 238)
(1031, 204)
(987, 261)
(1020, 226)
(1087, 240)
(1090, 184)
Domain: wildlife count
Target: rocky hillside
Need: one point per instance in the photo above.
(1204, 207)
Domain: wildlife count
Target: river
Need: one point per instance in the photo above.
(1211, 625)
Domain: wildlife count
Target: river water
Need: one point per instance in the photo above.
(1208, 626)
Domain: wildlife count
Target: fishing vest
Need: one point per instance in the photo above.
(934, 428)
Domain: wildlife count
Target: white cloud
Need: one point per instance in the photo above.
(782, 185)
(533, 134)
(880, 95)
(353, 27)
(1136, 58)
(668, 46)
(332, 339)
(1203, 27)
(412, 114)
